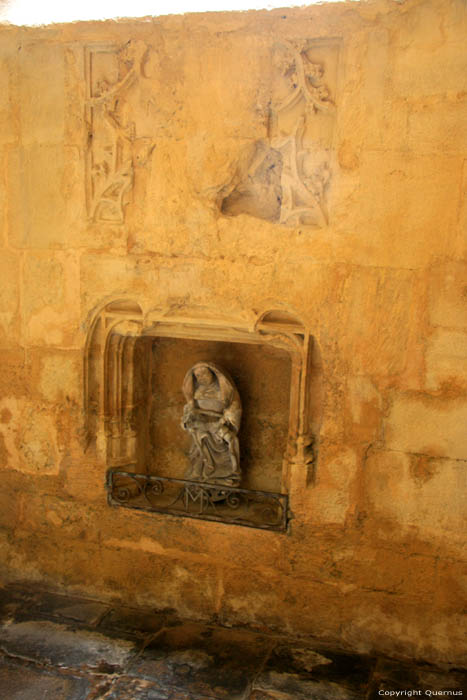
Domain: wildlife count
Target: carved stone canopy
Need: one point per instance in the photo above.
(118, 357)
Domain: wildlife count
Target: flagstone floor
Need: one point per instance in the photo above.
(56, 647)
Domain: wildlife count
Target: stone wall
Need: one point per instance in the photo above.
(312, 160)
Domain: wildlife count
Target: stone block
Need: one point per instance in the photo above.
(277, 603)
(450, 582)
(9, 501)
(40, 174)
(428, 425)
(41, 92)
(29, 437)
(446, 360)
(364, 409)
(60, 376)
(460, 245)
(126, 276)
(391, 569)
(3, 210)
(51, 294)
(332, 496)
(422, 494)
(402, 212)
(375, 336)
(428, 57)
(14, 374)
(437, 125)
(9, 298)
(448, 295)
(8, 78)
(140, 569)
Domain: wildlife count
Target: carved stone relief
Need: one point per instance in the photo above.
(115, 145)
(212, 417)
(287, 178)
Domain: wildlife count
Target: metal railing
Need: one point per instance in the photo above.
(194, 499)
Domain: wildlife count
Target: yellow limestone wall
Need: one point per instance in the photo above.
(375, 556)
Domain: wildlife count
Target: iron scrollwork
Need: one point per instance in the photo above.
(192, 499)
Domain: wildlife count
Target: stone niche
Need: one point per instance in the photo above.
(135, 364)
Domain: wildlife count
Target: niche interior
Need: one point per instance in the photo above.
(135, 365)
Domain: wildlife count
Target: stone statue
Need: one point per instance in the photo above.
(212, 416)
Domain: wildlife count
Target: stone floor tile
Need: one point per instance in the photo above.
(391, 675)
(58, 645)
(86, 611)
(297, 671)
(436, 679)
(128, 689)
(18, 682)
(29, 603)
(133, 621)
(14, 599)
(182, 695)
(202, 660)
(288, 686)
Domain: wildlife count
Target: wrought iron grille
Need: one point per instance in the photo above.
(192, 499)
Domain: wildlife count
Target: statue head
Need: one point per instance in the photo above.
(203, 375)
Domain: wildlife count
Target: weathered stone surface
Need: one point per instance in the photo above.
(377, 335)
(390, 676)
(8, 125)
(332, 497)
(41, 100)
(50, 289)
(26, 604)
(9, 298)
(54, 643)
(399, 240)
(447, 295)
(446, 360)
(203, 660)
(60, 376)
(364, 408)
(288, 686)
(427, 425)
(418, 490)
(300, 672)
(125, 688)
(434, 123)
(420, 36)
(120, 142)
(38, 173)
(25, 448)
(184, 661)
(131, 620)
(20, 683)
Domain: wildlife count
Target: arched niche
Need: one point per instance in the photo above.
(131, 384)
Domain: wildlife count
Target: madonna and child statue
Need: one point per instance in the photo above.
(212, 416)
